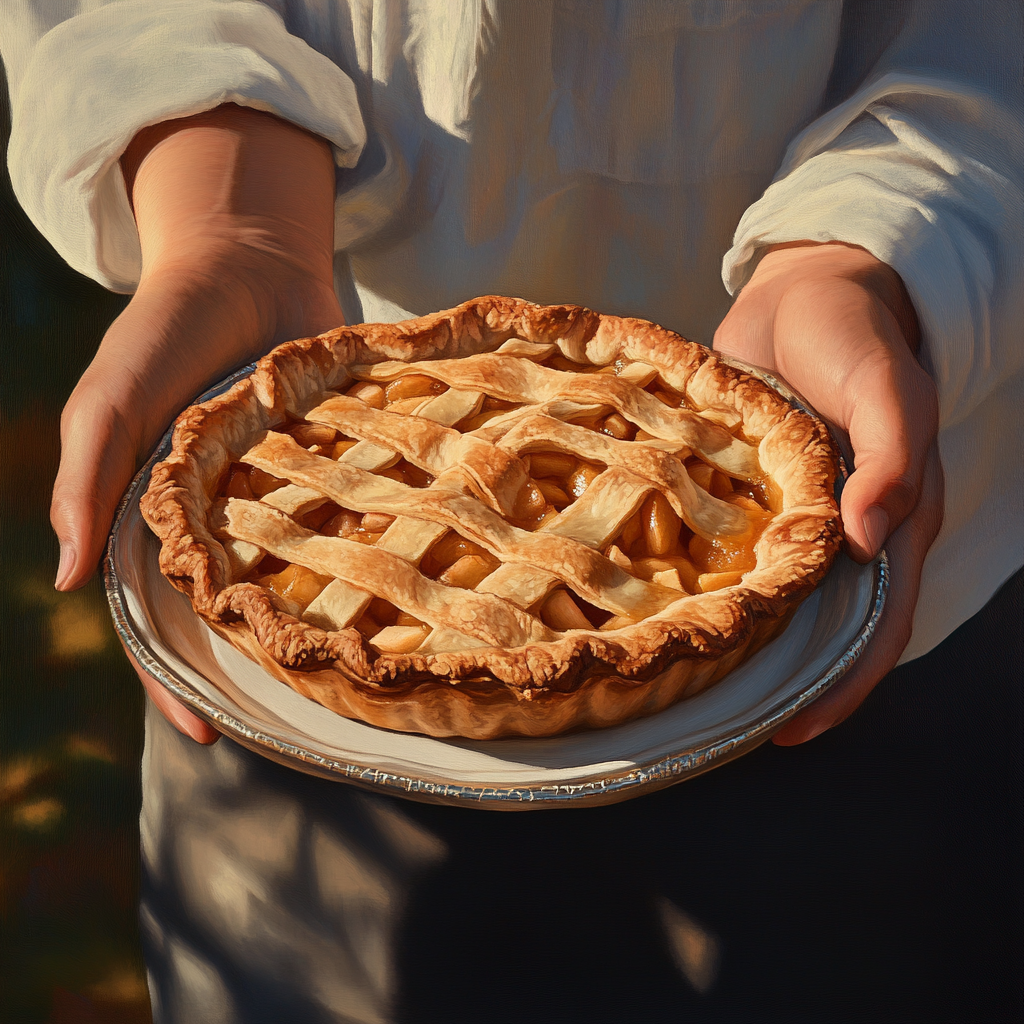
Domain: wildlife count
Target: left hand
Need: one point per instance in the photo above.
(838, 325)
(235, 210)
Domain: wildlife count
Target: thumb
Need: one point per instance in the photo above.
(893, 420)
(96, 464)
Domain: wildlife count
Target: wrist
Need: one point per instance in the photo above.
(260, 290)
(794, 263)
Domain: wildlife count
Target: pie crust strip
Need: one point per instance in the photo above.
(340, 604)
(519, 380)
(594, 577)
(483, 616)
(704, 514)
(446, 409)
(498, 476)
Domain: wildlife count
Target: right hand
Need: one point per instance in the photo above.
(838, 324)
(235, 216)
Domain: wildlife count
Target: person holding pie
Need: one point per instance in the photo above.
(254, 173)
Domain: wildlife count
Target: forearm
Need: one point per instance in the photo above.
(235, 216)
(241, 200)
(231, 176)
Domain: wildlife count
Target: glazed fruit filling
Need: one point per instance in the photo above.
(653, 544)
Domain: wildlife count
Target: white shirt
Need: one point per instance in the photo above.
(626, 156)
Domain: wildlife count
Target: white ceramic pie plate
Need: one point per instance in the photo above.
(744, 709)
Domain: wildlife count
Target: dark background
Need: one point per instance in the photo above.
(875, 874)
(70, 707)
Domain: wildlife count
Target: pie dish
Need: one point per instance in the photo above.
(501, 519)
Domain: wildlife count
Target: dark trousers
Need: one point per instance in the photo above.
(873, 874)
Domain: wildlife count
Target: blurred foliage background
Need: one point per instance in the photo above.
(70, 707)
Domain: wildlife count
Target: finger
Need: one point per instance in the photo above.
(892, 423)
(906, 549)
(96, 465)
(180, 717)
(135, 383)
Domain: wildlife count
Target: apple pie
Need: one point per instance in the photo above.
(500, 519)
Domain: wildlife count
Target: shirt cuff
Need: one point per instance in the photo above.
(949, 223)
(95, 80)
(943, 220)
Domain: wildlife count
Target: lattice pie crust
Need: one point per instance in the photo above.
(501, 519)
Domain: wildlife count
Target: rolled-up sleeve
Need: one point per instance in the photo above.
(924, 167)
(83, 87)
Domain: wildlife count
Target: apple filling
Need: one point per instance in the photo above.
(532, 486)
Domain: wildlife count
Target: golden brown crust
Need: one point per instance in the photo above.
(477, 709)
(541, 686)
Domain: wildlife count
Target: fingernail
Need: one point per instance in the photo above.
(876, 528)
(67, 560)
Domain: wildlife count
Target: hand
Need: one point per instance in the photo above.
(235, 211)
(837, 324)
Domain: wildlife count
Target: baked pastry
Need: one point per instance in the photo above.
(500, 519)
